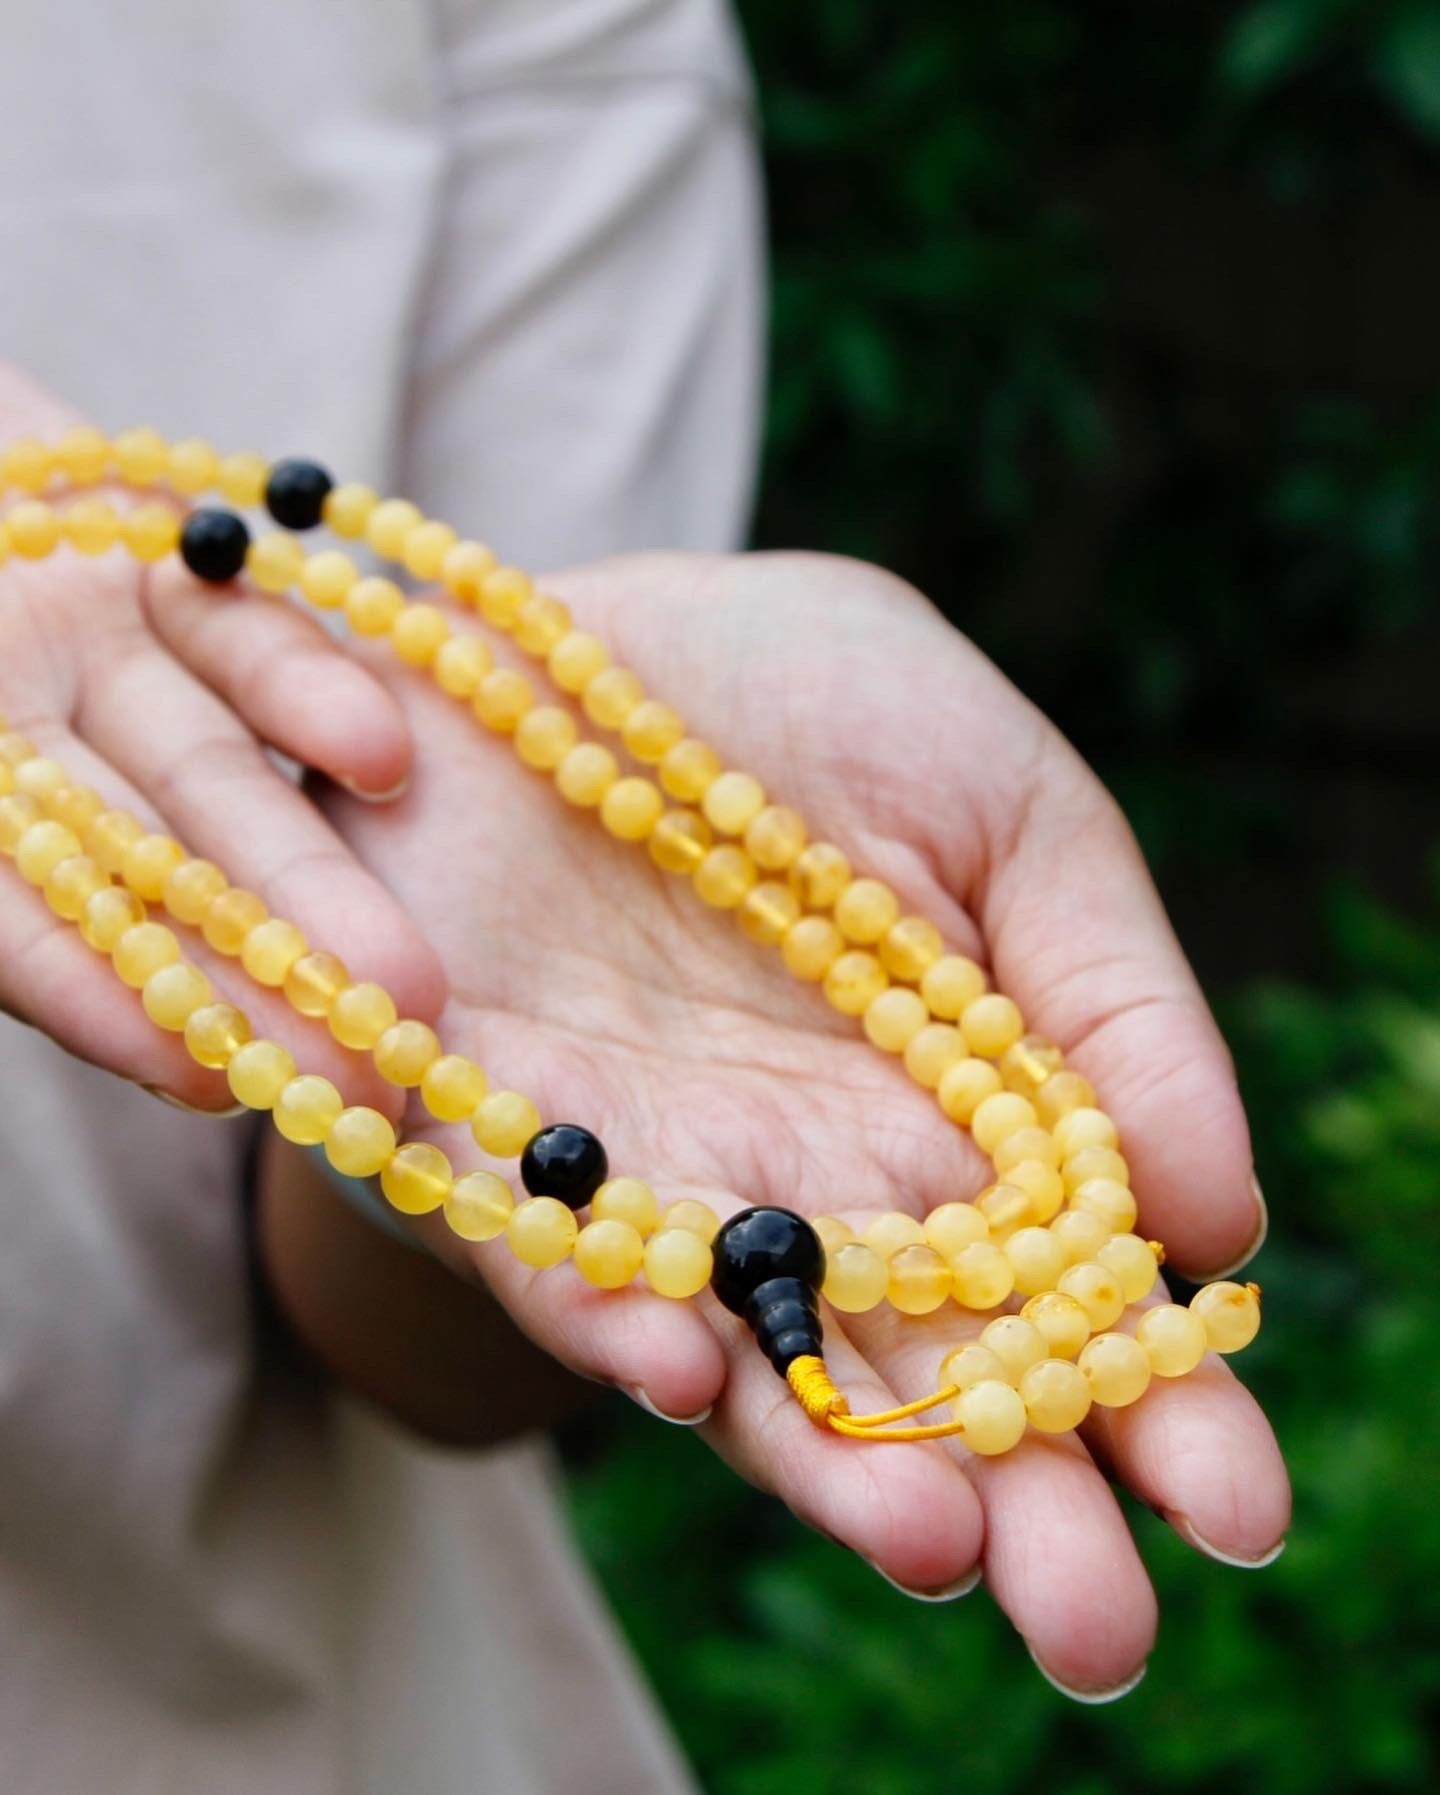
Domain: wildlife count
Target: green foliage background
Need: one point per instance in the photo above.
(1039, 344)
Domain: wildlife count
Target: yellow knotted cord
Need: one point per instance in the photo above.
(828, 1406)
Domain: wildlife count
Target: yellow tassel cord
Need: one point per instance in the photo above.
(828, 1407)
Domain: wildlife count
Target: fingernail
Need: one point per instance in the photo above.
(948, 1592)
(1185, 1528)
(193, 1109)
(1090, 1698)
(1258, 1241)
(638, 1395)
(368, 797)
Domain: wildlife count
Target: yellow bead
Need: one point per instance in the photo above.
(1230, 1313)
(40, 778)
(360, 1014)
(887, 1233)
(819, 875)
(812, 946)
(982, 1276)
(970, 1364)
(313, 983)
(964, 1086)
(1109, 1202)
(724, 876)
(27, 463)
(1026, 1064)
(461, 662)
(1060, 1093)
(504, 1121)
(1080, 1235)
(909, 946)
(502, 698)
(854, 981)
(677, 1263)
(651, 730)
(998, 1116)
(1041, 1183)
(953, 1226)
(1117, 1370)
(608, 1253)
(694, 1216)
(270, 950)
(107, 916)
(767, 911)
(143, 950)
(72, 884)
(503, 595)
(274, 561)
(585, 775)
(775, 837)
(1174, 1339)
(1061, 1319)
(919, 1280)
(992, 1416)
(258, 1072)
(627, 1200)
(541, 623)
(215, 1033)
(464, 570)
(18, 815)
(545, 736)
(833, 1233)
(865, 911)
(1094, 1162)
(1005, 1209)
(732, 802)
(360, 1142)
(1056, 1394)
(141, 456)
(194, 466)
(894, 1018)
(426, 547)
(418, 634)
(77, 806)
(91, 526)
(689, 769)
(307, 1109)
(172, 995)
(389, 524)
(1097, 1290)
(347, 509)
(1084, 1127)
(680, 841)
(41, 849)
(150, 532)
(243, 478)
(856, 1278)
(15, 748)
(452, 1087)
(83, 455)
(33, 530)
(1026, 1143)
(372, 605)
(1036, 1258)
(1017, 1343)
(149, 864)
(991, 1024)
(191, 888)
(230, 919)
(611, 696)
(631, 808)
(418, 1180)
(405, 1052)
(950, 985)
(932, 1051)
(328, 578)
(480, 1206)
(541, 1232)
(576, 659)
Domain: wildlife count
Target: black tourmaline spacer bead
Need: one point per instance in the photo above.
(760, 1244)
(565, 1162)
(295, 493)
(786, 1318)
(213, 544)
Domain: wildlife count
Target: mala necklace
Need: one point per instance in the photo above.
(1054, 1228)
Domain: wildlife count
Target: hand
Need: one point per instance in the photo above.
(581, 974)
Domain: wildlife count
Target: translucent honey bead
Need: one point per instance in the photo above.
(419, 633)
(503, 595)
(1084, 1127)
(608, 1254)
(140, 456)
(982, 1276)
(1094, 1162)
(1097, 1290)
(1061, 1093)
(461, 662)
(909, 946)
(865, 911)
(270, 950)
(894, 1018)
(541, 1232)
(1027, 1063)
(856, 1278)
(1080, 1234)
(191, 888)
(585, 775)
(1056, 1394)
(950, 985)
(360, 1142)
(576, 659)
(108, 915)
(1005, 1209)
(27, 463)
(274, 561)
(231, 918)
(41, 849)
(541, 623)
(72, 884)
(16, 748)
(372, 605)
(999, 1116)
(150, 532)
(854, 981)
(1061, 1319)
(172, 995)
(307, 1109)
(953, 1226)
(425, 548)
(819, 874)
(631, 809)
(627, 1200)
(833, 1233)
(40, 779)
(480, 1206)
(931, 1051)
(243, 477)
(502, 699)
(811, 947)
(1117, 1370)
(611, 696)
(405, 1052)
(77, 806)
(651, 730)
(347, 509)
(1111, 1203)
(149, 864)
(970, 1364)
(389, 524)
(724, 876)
(677, 1263)
(327, 579)
(143, 950)
(1230, 1313)
(464, 570)
(313, 983)
(360, 1014)
(689, 769)
(919, 1280)
(1026, 1143)
(991, 1024)
(1041, 1183)
(258, 1072)
(544, 736)
(766, 911)
(775, 837)
(83, 455)
(417, 1179)
(451, 1087)
(964, 1086)
(215, 1033)
(91, 526)
(503, 1122)
(992, 1416)
(693, 1215)
(1036, 1258)
(889, 1232)
(33, 530)
(1173, 1338)
(732, 802)
(18, 815)
(1017, 1343)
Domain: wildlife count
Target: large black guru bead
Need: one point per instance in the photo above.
(295, 493)
(213, 544)
(566, 1162)
(760, 1244)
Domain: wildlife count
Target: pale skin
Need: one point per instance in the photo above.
(574, 970)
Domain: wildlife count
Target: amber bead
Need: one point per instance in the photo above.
(191, 888)
(865, 911)
(689, 769)
(503, 1122)
(819, 874)
(405, 1052)
(77, 806)
(608, 1254)
(215, 1033)
(856, 1278)
(270, 949)
(1056, 1394)
(360, 1142)
(461, 662)
(242, 478)
(1097, 1290)
(41, 778)
(1036, 1258)
(1116, 1368)
(313, 983)
(1005, 1208)
(1083, 1127)
(1041, 1183)
(389, 524)
(347, 509)
(775, 837)
(541, 623)
(982, 1276)
(258, 1072)
(1174, 1339)
(479, 1206)
(1109, 1201)
(991, 1024)
(627, 1200)
(418, 1179)
(887, 1233)
(230, 918)
(631, 808)
(503, 594)
(998, 1116)
(1094, 1162)
(418, 634)
(894, 1018)
(360, 1014)
(1061, 1319)
(1060, 1093)
(811, 947)
(464, 570)
(1230, 1312)
(909, 946)
(425, 548)
(274, 561)
(306, 1109)
(950, 985)
(502, 698)
(1017, 1343)
(964, 1086)
(724, 876)
(1026, 1143)
(732, 801)
(694, 1216)
(144, 949)
(18, 815)
(954, 1226)
(610, 697)
(107, 915)
(1027, 1063)
(585, 775)
(41, 849)
(92, 527)
(452, 1086)
(149, 864)
(854, 981)
(372, 605)
(72, 884)
(33, 530)
(767, 911)
(328, 578)
(919, 1280)
(992, 1417)
(678, 1263)
(1080, 1235)
(932, 1051)
(651, 730)
(541, 1232)
(83, 455)
(172, 994)
(576, 659)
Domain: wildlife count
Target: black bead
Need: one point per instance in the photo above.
(799, 1343)
(565, 1161)
(213, 544)
(759, 1244)
(295, 493)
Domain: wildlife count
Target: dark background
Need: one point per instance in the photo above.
(1116, 328)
